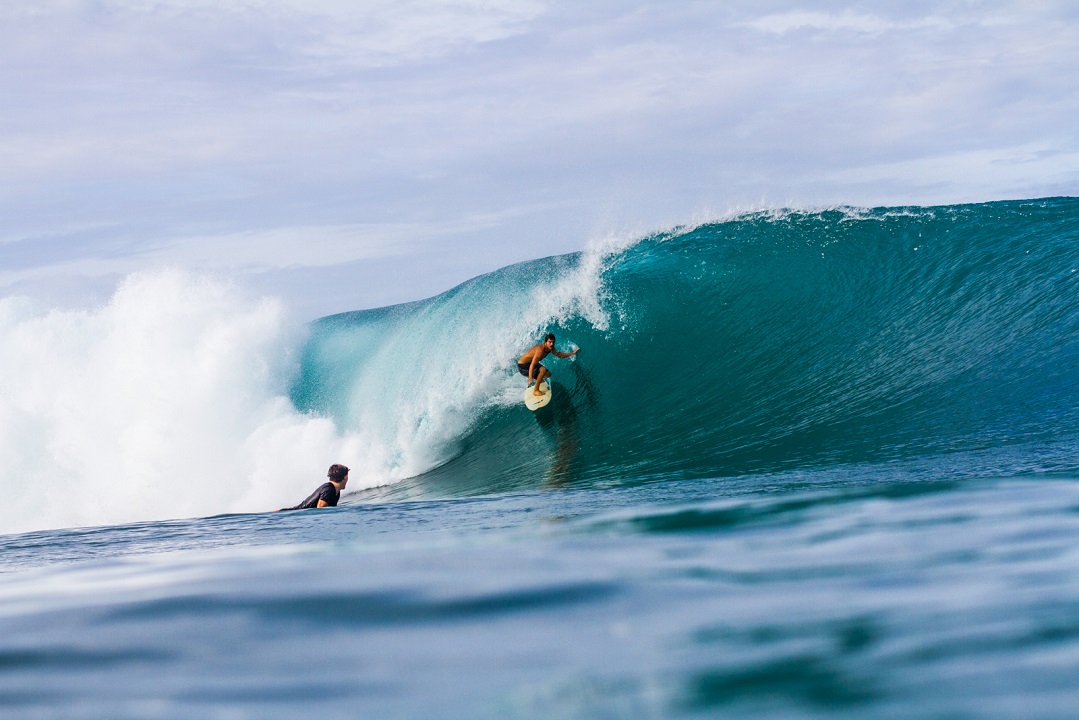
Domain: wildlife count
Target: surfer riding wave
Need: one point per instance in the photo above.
(529, 363)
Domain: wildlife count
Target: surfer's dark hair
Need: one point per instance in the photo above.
(550, 336)
(337, 472)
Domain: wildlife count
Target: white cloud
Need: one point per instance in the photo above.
(305, 246)
(234, 130)
(282, 34)
(978, 171)
(846, 21)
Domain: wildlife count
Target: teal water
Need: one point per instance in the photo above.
(769, 342)
(806, 465)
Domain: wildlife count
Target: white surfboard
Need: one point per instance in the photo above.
(533, 402)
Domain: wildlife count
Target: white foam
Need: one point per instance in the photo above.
(169, 401)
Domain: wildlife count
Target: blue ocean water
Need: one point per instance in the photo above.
(807, 464)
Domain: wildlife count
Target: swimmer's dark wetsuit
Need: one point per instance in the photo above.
(326, 491)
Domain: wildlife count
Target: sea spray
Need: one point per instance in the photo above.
(168, 401)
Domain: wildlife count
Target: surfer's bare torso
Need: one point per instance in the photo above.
(536, 353)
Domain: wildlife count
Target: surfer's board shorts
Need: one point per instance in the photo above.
(523, 368)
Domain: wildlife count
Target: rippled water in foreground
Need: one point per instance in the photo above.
(807, 464)
(813, 597)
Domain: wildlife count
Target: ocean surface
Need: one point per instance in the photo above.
(806, 464)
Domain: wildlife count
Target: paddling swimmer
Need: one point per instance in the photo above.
(529, 363)
(328, 493)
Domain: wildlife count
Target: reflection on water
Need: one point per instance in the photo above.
(563, 419)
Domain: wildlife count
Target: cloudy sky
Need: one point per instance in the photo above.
(344, 154)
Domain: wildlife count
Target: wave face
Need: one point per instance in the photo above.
(769, 342)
